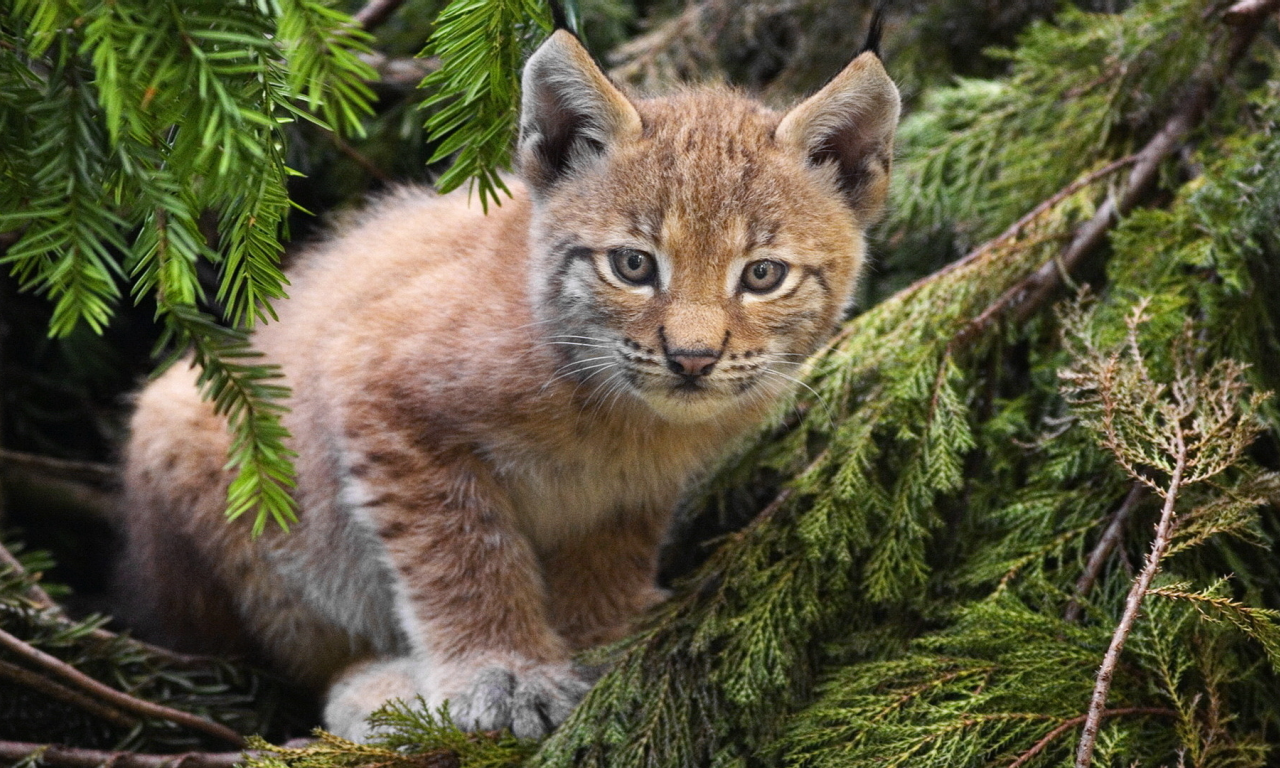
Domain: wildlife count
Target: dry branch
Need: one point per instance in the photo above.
(71, 757)
(117, 698)
(53, 690)
(375, 12)
(1102, 550)
(1164, 535)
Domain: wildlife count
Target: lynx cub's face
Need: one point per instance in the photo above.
(691, 251)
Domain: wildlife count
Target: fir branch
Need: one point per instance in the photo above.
(480, 44)
(246, 392)
(34, 591)
(17, 752)
(323, 46)
(117, 698)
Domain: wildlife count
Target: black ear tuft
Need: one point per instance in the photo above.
(875, 30)
(558, 18)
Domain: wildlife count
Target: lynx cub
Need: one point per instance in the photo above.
(494, 415)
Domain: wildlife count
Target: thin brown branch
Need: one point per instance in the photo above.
(71, 757)
(376, 12)
(1107, 544)
(54, 690)
(80, 486)
(400, 72)
(118, 698)
(1067, 725)
(86, 471)
(368, 165)
(1029, 218)
(1132, 603)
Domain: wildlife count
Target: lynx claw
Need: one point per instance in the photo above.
(530, 703)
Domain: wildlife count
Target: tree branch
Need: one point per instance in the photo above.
(1067, 725)
(118, 698)
(1164, 535)
(53, 690)
(376, 12)
(1103, 549)
(70, 757)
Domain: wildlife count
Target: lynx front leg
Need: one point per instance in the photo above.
(469, 596)
(598, 584)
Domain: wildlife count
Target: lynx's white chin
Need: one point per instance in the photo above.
(684, 405)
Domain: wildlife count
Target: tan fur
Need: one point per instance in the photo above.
(489, 438)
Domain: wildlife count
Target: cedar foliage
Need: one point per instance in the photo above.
(913, 570)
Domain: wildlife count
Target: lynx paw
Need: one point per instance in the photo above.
(363, 688)
(531, 702)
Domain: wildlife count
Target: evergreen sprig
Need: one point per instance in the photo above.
(124, 122)
(481, 45)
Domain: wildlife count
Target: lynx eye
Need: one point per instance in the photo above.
(763, 276)
(635, 267)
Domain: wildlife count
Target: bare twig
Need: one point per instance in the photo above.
(375, 12)
(54, 690)
(86, 471)
(399, 71)
(1132, 603)
(1067, 725)
(1102, 550)
(85, 486)
(368, 165)
(119, 699)
(70, 757)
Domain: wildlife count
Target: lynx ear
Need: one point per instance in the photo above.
(850, 123)
(570, 112)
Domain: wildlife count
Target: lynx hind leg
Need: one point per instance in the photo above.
(174, 484)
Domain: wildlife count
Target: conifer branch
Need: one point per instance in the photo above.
(1029, 295)
(35, 592)
(71, 757)
(118, 698)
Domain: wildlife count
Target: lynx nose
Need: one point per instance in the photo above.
(692, 362)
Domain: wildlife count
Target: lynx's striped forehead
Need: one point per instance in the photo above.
(706, 177)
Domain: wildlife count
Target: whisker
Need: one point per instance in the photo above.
(821, 401)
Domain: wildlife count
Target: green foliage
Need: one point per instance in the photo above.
(481, 45)
(406, 735)
(124, 123)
